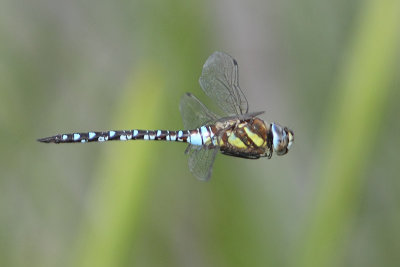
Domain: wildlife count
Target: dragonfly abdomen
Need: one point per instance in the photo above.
(202, 136)
(199, 136)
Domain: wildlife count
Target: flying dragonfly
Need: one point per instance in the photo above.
(239, 133)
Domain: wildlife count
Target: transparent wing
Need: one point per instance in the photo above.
(220, 81)
(194, 113)
(201, 161)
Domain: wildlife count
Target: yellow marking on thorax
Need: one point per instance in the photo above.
(258, 141)
(241, 125)
(220, 142)
(235, 141)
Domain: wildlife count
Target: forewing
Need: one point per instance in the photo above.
(194, 113)
(201, 161)
(220, 81)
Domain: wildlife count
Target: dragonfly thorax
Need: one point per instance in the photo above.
(282, 139)
(247, 138)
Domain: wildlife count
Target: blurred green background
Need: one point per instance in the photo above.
(329, 70)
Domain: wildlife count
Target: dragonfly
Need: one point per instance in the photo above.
(237, 133)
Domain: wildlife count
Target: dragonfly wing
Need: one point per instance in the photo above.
(194, 113)
(201, 161)
(246, 116)
(220, 81)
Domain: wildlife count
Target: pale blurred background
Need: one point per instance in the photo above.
(329, 70)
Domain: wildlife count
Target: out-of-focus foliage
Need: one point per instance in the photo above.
(328, 70)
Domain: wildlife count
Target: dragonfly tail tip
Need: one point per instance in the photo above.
(46, 140)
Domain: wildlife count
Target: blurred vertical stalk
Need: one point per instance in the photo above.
(171, 33)
(350, 132)
(120, 184)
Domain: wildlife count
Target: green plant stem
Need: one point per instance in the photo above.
(351, 132)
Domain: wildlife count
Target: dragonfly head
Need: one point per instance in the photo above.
(282, 139)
